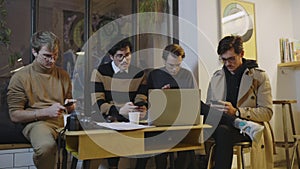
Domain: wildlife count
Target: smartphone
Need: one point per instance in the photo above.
(139, 104)
(70, 102)
(215, 102)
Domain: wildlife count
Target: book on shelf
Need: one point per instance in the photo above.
(289, 50)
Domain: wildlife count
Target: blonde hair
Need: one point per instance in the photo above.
(44, 38)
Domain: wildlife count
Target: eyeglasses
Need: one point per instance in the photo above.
(173, 65)
(230, 59)
(120, 57)
(49, 57)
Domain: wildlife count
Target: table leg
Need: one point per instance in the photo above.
(286, 141)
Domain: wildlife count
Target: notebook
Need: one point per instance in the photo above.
(174, 107)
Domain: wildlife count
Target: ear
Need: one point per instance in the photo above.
(242, 53)
(111, 57)
(164, 62)
(34, 52)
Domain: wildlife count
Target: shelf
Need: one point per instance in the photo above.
(290, 64)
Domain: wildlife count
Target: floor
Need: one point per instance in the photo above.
(280, 165)
(283, 166)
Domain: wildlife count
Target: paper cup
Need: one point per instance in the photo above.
(134, 117)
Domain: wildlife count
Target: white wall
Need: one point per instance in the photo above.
(201, 14)
(274, 19)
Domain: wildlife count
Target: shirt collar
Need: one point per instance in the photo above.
(115, 68)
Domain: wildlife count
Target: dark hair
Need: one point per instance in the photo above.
(120, 45)
(44, 38)
(174, 49)
(230, 42)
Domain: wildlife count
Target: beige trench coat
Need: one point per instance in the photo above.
(255, 103)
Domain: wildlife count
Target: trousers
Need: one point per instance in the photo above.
(42, 136)
(225, 137)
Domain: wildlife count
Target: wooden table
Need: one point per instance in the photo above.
(104, 143)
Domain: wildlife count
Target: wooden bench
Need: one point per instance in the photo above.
(14, 146)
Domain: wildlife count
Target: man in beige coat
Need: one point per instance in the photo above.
(245, 92)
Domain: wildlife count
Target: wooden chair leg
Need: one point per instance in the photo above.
(239, 157)
(74, 163)
(294, 153)
(210, 158)
(172, 159)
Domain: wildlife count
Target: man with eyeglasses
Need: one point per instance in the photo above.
(36, 95)
(120, 88)
(242, 91)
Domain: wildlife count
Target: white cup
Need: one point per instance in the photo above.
(65, 118)
(201, 119)
(134, 117)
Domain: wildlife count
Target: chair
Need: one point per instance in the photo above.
(286, 144)
(238, 149)
(297, 140)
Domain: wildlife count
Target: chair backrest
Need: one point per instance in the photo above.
(10, 132)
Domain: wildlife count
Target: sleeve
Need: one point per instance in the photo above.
(16, 96)
(209, 94)
(191, 80)
(98, 96)
(68, 95)
(142, 92)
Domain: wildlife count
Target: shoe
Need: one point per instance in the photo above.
(252, 129)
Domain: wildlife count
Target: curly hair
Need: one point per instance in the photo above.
(120, 45)
(230, 42)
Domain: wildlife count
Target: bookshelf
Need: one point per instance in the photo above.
(290, 64)
(289, 52)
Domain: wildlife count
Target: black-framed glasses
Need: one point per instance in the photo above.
(120, 57)
(230, 59)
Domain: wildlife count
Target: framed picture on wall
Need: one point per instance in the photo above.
(238, 18)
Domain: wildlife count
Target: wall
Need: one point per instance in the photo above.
(274, 19)
(16, 158)
(296, 27)
(202, 39)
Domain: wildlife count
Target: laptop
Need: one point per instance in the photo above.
(171, 107)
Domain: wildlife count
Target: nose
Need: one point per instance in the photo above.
(226, 62)
(51, 59)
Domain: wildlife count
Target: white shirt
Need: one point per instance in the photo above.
(116, 68)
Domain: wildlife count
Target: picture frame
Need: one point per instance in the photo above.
(237, 17)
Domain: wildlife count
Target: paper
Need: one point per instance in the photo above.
(123, 126)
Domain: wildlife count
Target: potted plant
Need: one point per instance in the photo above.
(5, 51)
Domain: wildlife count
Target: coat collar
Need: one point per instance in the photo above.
(220, 84)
